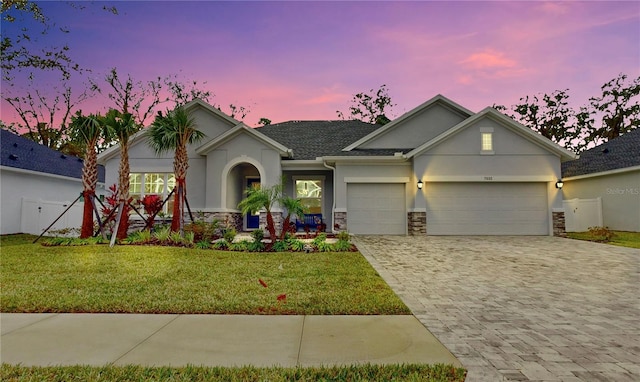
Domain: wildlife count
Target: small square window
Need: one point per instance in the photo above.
(487, 142)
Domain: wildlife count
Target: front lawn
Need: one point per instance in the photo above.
(621, 238)
(155, 279)
(363, 373)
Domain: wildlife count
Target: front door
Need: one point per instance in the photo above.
(253, 220)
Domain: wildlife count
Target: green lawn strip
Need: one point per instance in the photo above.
(155, 279)
(435, 373)
(621, 238)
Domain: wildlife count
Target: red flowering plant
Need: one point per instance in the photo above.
(107, 210)
(152, 205)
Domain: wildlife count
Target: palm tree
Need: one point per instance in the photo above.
(259, 198)
(89, 129)
(294, 207)
(174, 131)
(122, 126)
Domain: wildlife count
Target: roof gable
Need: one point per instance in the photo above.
(24, 154)
(191, 107)
(506, 122)
(438, 114)
(618, 153)
(243, 129)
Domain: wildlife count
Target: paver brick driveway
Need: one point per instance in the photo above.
(521, 308)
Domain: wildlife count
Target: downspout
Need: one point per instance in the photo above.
(333, 205)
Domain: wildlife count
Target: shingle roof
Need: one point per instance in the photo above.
(312, 139)
(620, 152)
(25, 154)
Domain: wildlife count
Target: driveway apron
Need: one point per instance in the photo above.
(521, 308)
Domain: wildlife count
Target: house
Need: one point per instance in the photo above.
(611, 172)
(37, 184)
(439, 169)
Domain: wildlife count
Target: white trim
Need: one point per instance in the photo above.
(416, 209)
(316, 164)
(374, 179)
(231, 164)
(555, 209)
(339, 209)
(487, 178)
(365, 159)
(602, 173)
(45, 174)
(438, 98)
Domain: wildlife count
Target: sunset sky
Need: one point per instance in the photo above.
(305, 60)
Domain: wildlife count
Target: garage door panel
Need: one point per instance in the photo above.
(487, 209)
(376, 209)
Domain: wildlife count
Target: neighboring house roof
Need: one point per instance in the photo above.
(312, 139)
(618, 153)
(24, 154)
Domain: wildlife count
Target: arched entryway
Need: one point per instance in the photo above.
(240, 176)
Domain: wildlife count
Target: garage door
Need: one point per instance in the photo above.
(376, 209)
(487, 209)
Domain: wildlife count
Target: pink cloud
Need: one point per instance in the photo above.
(488, 59)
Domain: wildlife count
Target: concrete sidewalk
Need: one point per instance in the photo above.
(216, 340)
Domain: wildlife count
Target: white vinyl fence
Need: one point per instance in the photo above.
(37, 215)
(580, 214)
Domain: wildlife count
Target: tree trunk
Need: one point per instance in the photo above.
(180, 166)
(271, 227)
(178, 212)
(123, 190)
(89, 181)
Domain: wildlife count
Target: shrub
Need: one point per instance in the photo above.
(342, 246)
(140, 237)
(255, 246)
(321, 238)
(323, 246)
(240, 246)
(203, 244)
(279, 246)
(601, 234)
(295, 245)
(229, 234)
(343, 236)
(220, 245)
(189, 238)
(257, 235)
(162, 235)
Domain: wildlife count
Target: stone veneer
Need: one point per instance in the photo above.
(339, 221)
(559, 228)
(227, 219)
(417, 223)
(277, 222)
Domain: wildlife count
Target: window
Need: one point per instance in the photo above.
(486, 140)
(161, 184)
(309, 191)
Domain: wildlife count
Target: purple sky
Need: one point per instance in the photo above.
(305, 60)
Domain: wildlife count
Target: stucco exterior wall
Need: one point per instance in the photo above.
(514, 159)
(620, 193)
(17, 185)
(420, 128)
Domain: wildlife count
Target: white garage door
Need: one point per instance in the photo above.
(487, 209)
(376, 209)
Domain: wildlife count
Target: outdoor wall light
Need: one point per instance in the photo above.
(559, 184)
(420, 184)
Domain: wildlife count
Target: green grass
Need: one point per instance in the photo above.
(434, 373)
(155, 279)
(621, 238)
